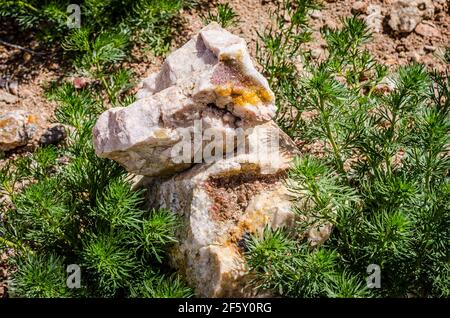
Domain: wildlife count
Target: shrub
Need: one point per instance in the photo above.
(225, 16)
(380, 178)
(84, 213)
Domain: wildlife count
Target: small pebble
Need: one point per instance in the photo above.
(53, 135)
(429, 48)
(316, 14)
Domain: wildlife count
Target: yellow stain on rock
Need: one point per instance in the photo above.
(160, 134)
(31, 119)
(253, 94)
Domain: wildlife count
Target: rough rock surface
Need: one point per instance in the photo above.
(226, 195)
(53, 135)
(7, 97)
(223, 203)
(211, 80)
(374, 18)
(407, 14)
(16, 129)
(427, 30)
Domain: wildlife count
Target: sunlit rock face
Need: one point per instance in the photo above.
(202, 139)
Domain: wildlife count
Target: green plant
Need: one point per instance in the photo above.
(81, 209)
(47, 17)
(40, 276)
(83, 212)
(380, 180)
(282, 264)
(225, 16)
(152, 19)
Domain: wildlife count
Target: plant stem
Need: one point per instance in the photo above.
(329, 134)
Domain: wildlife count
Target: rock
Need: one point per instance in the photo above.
(26, 57)
(208, 84)
(407, 14)
(8, 98)
(317, 53)
(426, 8)
(16, 129)
(54, 66)
(415, 57)
(387, 85)
(79, 82)
(208, 96)
(400, 48)
(316, 14)
(53, 135)
(427, 30)
(429, 48)
(330, 24)
(374, 18)
(359, 7)
(11, 86)
(222, 204)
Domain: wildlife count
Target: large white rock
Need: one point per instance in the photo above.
(223, 203)
(210, 81)
(231, 181)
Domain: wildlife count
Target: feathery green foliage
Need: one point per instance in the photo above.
(381, 180)
(150, 22)
(225, 16)
(83, 212)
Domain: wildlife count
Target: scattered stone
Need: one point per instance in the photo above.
(427, 30)
(64, 160)
(53, 135)
(429, 48)
(316, 14)
(426, 8)
(374, 18)
(8, 98)
(400, 48)
(330, 24)
(359, 7)
(16, 129)
(13, 87)
(79, 82)
(407, 14)
(53, 66)
(415, 57)
(26, 57)
(209, 83)
(386, 86)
